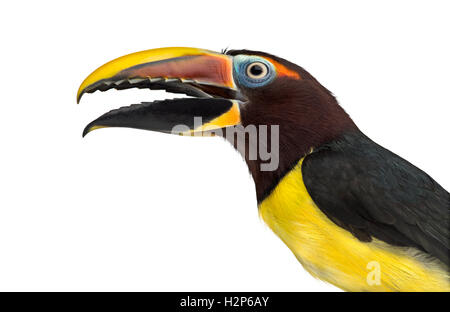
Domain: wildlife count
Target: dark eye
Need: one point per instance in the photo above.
(257, 70)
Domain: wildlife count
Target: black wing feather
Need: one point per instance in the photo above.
(372, 192)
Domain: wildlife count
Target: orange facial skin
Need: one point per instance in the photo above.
(283, 71)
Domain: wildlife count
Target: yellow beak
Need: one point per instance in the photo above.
(201, 73)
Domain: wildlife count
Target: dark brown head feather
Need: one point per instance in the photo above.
(307, 113)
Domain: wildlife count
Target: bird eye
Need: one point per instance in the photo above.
(252, 71)
(257, 70)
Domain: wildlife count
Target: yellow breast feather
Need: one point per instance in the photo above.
(334, 255)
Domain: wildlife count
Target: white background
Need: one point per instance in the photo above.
(125, 209)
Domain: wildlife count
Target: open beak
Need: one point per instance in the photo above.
(205, 75)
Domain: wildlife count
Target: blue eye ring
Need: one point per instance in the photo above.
(242, 71)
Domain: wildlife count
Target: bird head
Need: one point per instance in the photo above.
(238, 88)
